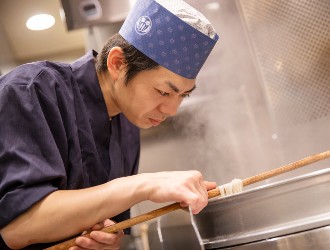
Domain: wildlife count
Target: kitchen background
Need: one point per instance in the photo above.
(263, 96)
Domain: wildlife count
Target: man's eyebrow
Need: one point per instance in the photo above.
(176, 89)
(191, 90)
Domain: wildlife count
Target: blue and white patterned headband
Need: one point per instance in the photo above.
(166, 39)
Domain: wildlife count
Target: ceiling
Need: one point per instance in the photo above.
(25, 44)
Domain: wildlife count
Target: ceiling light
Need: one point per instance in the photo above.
(40, 22)
(212, 6)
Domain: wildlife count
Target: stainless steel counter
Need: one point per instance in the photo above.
(315, 239)
(299, 206)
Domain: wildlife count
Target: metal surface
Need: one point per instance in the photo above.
(287, 207)
(291, 42)
(88, 13)
(318, 238)
(173, 231)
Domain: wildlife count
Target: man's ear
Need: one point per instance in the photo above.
(115, 62)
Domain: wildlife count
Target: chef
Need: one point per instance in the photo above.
(69, 135)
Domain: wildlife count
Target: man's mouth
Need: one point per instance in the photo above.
(155, 122)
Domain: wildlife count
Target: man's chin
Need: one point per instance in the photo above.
(145, 123)
(142, 125)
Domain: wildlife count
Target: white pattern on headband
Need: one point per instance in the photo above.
(189, 15)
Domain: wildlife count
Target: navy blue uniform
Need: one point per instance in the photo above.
(55, 134)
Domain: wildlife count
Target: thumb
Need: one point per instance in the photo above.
(210, 185)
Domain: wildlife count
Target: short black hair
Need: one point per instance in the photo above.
(135, 60)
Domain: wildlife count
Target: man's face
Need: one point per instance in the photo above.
(151, 96)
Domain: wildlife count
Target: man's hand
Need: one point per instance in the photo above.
(186, 187)
(99, 240)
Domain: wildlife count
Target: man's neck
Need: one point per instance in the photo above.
(105, 82)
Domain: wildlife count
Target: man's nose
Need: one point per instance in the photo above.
(170, 107)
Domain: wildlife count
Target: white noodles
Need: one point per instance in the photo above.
(235, 186)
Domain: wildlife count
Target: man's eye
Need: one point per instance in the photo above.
(162, 93)
(185, 95)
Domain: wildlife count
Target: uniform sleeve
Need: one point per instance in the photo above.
(30, 162)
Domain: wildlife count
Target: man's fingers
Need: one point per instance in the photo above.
(210, 185)
(97, 227)
(107, 238)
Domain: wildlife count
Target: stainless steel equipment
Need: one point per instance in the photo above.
(318, 238)
(291, 214)
(88, 13)
(290, 40)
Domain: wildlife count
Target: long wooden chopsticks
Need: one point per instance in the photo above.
(211, 194)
